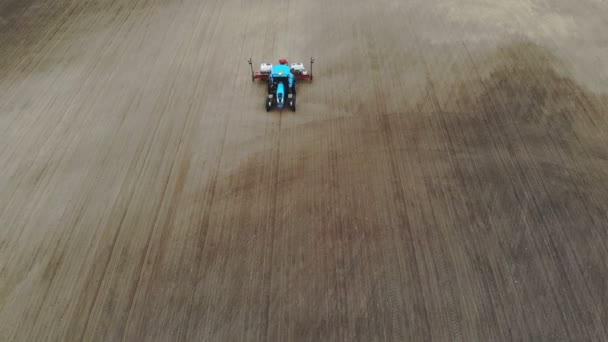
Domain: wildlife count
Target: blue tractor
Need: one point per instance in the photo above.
(281, 87)
(281, 80)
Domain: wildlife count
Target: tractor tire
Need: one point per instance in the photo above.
(268, 105)
(292, 104)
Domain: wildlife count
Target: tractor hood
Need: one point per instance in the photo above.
(280, 95)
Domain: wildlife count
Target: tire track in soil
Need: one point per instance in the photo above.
(153, 253)
(136, 168)
(130, 193)
(275, 165)
(519, 179)
(46, 137)
(94, 64)
(540, 184)
(83, 203)
(444, 276)
(62, 157)
(208, 206)
(449, 138)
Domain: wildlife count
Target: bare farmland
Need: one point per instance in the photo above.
(445, 176)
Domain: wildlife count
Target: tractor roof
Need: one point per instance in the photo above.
(280, 70)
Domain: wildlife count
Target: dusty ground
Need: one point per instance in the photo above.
(445, 177)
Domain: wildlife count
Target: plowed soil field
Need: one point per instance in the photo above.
(445, 176)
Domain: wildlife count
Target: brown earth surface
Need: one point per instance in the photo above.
(445, 177)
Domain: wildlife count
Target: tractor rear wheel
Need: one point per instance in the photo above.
(268, 105)
(292, 104)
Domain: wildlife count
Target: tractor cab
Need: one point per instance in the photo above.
(280, 70)
(281, 74)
